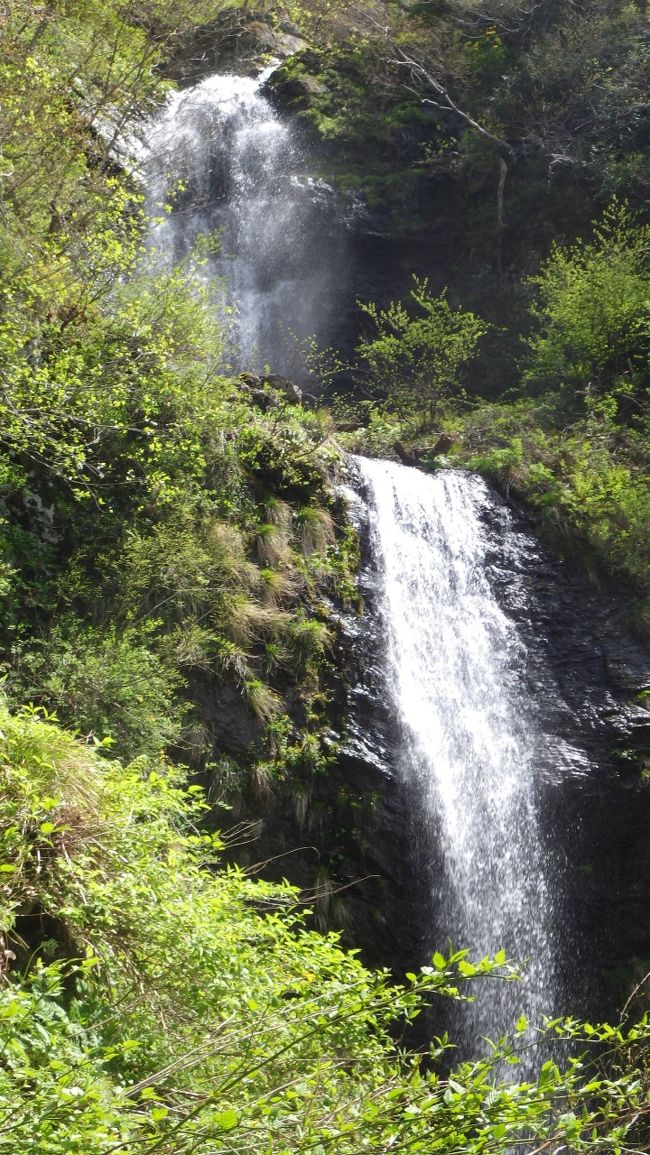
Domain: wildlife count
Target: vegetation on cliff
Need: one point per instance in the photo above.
(572, 440)
(167, 533)
(169, 540)
(505, 144)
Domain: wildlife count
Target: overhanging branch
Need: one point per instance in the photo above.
(445, 100)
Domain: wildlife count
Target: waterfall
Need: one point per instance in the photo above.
(470, 749)
(218, 161)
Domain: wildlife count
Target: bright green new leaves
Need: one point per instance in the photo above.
(587, 480)
(188, 1008)
(579, 452)
(594, 312)
(134, 478)
(573, 442)
(415, 355)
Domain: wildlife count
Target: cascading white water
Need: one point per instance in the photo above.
(469, 743)
(223, 161)
(471, 751)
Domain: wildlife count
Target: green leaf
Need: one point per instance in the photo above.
(226, 1120)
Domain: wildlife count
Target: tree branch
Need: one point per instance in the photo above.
(445, 101)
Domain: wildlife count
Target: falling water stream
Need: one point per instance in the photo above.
(472, 754)
(220, 162)
(470, 748)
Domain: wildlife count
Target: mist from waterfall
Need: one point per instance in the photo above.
(471, 752)
(219, 161)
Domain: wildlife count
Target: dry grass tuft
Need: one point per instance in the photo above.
(316, 529)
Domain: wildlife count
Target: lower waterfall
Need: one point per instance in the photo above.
(469, 745)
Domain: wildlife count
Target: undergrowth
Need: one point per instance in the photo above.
(152, 1001)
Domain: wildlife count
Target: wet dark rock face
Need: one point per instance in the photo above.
(355, 853)
(386, 909)
(341, 835)
(235, 41)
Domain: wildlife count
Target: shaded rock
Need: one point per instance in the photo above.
(294, 93)
(235, 42)
(233, 727)
(442, 446)
(421, 457)
(259, 396)
(289, 390)
(405, 455)
(268, 390)
(583, 674)
(264, 400)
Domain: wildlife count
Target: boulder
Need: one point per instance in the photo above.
(289, 390)
(405, 455)
(234, 42)
(267, 391)
(442, 446)
(294, 93)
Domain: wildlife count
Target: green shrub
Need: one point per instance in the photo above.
(415, 356)
(109, 685)
(593, 313)
(190, 1009)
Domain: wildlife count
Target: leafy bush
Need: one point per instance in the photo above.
(415, 360)
(190, 1009)
(586, 480)
(109, 685)
(136, 482)
(594, 313)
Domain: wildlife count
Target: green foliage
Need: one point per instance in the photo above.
(417, 96)
(108, 685)
(415, 358)
(586, 480)
(190, 1008)
(487, 54)
(573, 441)
(139, 488)
(163, 540)
(594, 312)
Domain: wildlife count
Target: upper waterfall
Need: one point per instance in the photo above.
(470, 749)
(219, 161)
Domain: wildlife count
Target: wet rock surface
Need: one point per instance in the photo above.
(349, 837)
(585, 672)
(367, 759)
(269, 390)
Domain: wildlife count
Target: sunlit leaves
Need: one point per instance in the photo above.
(200, 1011)
(594, 312)
(416, 350)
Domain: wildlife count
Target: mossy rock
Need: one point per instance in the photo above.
(296, 93)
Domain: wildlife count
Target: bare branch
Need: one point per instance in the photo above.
(445, 101)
